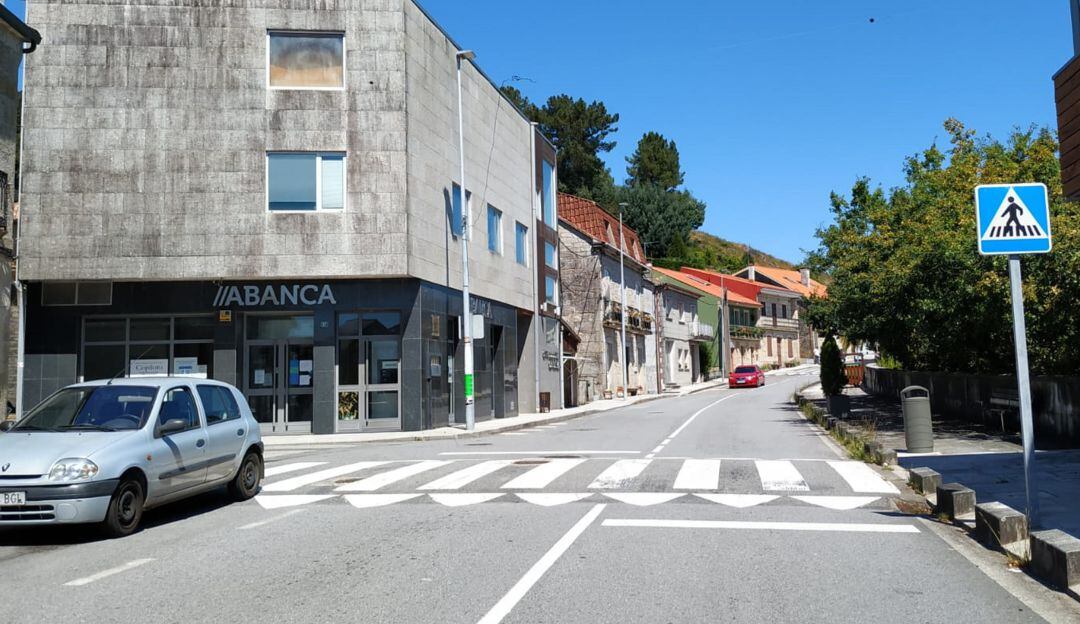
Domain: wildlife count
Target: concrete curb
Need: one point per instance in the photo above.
(955, 501)
(1055, 557)
(1002, 527)
(845, 432)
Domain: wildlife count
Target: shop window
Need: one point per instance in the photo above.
(150, 329)
(76, 293)
(383, 359)
(382, 323)
(147, 346)
(382, 405)
(280, 327)
(494, 234)
(105, 330)
(348, 406)
(305, 181)
(521, 244)
(305, 60)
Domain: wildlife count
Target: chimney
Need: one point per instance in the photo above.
(805, 277)
(752, 275)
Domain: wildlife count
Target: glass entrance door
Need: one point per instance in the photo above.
(279, 373)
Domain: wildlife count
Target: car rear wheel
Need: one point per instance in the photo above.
(245, 484)
(125, 509)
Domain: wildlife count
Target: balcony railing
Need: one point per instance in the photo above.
(636, 320)
(773, 322)
(702, 331)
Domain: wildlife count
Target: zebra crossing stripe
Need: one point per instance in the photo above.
(369, 501)
(644, 499)
(384, 479)
(290, 500)
(780, 475)
(461, 478)
(462, 500)
(542, 475)
(295, 483)
(840, 503)
(698, 474)
(552, 500)
(620, 473)
(862, 478)
(740, 501)
(287, 468)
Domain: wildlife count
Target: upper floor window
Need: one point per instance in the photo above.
(494, 222)
(298, 60)
(551, 294)
(459, 217)
(305, 181)
(547, 194)
(783, 311)
(551, 255)
(521, 244)
(76, 293)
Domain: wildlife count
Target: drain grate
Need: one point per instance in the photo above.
(531, 462)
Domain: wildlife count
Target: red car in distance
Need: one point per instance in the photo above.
(746, 376)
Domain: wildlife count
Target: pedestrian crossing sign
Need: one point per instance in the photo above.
(1013, 219)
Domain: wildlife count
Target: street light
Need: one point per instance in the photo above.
(466, 313)
(622, 321)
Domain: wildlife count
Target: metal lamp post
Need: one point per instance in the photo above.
(622, 320)
(466, 225)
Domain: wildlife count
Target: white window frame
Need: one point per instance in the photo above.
(318, 182)
(317, 33)
(499, 242)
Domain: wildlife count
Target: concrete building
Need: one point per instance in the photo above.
(679, 336)
(16, 40)
(710, 302)
(795, 281)
(268, 193)
(1067, 96)
(775, 332)
(592, 292)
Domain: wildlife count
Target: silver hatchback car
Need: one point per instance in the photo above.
(102, 452)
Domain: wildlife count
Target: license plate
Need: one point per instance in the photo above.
(740, 381)
(12, 498)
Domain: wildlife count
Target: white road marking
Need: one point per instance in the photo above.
(542, 453)
(290, 500)
(699, 413)
(279, 470)
(383, 479)
(841, 503)
(645, 499)
(461, 500)
(657, 449)
(862, 478)
(86, 580)
(698, 474)
(330, 473)
(763, 526)
(740, 501)
(780, 475)
(465, 476)
(552, 500)
(515, 433)
(620, 473)
(368, 501)
(522, 587)
(255, 525)
(542, 475)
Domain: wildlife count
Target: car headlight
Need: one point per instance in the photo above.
(73, 469)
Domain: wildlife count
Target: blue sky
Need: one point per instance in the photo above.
(775, 104)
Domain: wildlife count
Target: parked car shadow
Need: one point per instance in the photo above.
(71, 534)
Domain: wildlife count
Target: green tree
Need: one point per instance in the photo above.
(655, 162)
(580, 131)
(906, 275)
(520, 101)
(833, 375)
(661, 218)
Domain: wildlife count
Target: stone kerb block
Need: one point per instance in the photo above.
(955, 501)
(1055, 557)
(1001, 526)
(925, 481)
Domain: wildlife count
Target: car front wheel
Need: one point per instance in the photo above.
(125, 509)
(245, 484)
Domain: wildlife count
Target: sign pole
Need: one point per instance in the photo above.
(1024, 384)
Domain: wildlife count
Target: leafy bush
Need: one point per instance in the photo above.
(833, 376)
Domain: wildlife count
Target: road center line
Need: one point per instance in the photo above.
(762, 526)
(522, 587)
(671, 437)
(255, 525)
(541, 453)
(86, 580)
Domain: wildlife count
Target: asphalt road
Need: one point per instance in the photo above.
(724, 506)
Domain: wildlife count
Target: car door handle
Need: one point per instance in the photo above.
(200, 443)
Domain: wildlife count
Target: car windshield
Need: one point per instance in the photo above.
(96, 408)
(745, 369)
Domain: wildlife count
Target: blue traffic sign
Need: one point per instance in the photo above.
(1013, 219)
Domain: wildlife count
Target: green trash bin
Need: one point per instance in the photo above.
(918, 424)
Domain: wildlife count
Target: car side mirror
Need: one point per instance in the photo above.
(6, 425)
(173, 425)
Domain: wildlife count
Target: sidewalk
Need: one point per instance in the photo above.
(984, 459)
(488, 427)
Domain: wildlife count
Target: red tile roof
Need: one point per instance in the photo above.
(708, 287)
(592, 220)
(792, 280)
